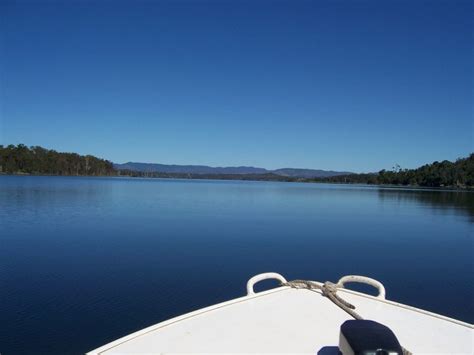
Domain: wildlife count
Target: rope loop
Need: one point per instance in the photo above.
(329, 288)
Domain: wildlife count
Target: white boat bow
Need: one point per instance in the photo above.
(295, 320)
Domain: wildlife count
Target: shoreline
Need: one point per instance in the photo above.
(249, 178)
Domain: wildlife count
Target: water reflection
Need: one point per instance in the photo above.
(442, 202)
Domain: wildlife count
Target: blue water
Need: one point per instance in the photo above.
(84, 261)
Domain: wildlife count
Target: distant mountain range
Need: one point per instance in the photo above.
(203, 169)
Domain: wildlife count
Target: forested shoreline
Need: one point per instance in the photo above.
(458, 174)
(36, 160)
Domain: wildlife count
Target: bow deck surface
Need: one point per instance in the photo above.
(286, 320)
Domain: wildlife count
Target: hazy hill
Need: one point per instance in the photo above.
(203, 169)
(308, 173)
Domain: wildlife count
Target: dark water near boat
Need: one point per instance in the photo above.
(84, 261)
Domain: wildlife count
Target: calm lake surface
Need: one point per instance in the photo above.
(84, 261)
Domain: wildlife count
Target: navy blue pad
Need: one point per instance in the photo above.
(369, 336)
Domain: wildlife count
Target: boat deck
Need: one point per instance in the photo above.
(287, 320)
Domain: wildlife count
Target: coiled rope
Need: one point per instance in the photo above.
(329, 290)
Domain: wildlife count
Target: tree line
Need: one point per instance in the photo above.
(458, 174)
(21, 159)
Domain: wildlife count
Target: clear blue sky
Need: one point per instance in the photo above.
(344, 85)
